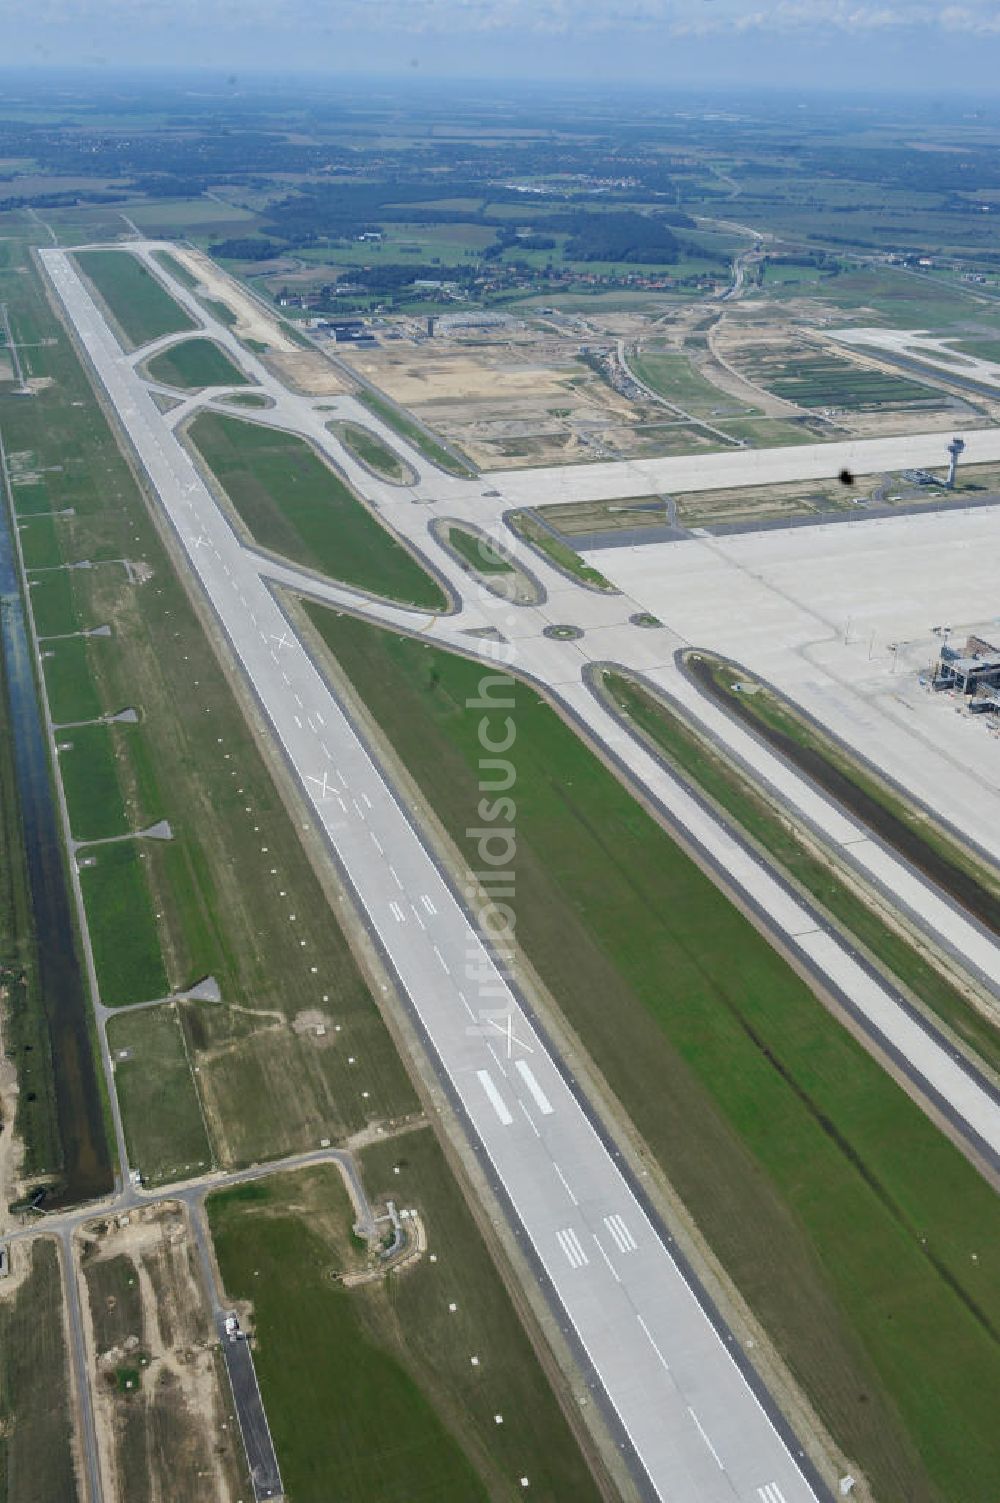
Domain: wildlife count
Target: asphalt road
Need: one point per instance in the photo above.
(701, 1429)
(257, 1443)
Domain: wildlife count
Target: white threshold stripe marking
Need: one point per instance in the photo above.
(398, 913)
(427, 903)
(495, 1099)
(701, 1432)
(607, 1260)
(571, 1246)
(649, 1338)
(771, 1493)
(538, 1095)
(616, 1226)
(565, 1184)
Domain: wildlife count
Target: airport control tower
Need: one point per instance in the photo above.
(955, 448)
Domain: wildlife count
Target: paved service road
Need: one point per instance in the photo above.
(702, 1428)
(263, 1463)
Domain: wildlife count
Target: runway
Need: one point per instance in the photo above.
(700, 1425)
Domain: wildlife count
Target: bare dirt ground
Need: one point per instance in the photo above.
(173, 1436)
(307, 371)
(252, 321)
(11, 1148)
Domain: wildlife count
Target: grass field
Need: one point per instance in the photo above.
(478, 552)
(90, 782)
(696, 758)
(122, 924)
(39, 543)
(774, 1125)
(194, 364)
(370, 1392)
(557, 552)
(176, 269)
(370, 450)
(414, 434)
(36, 1459)
(164, 1129)
(140, 305)
(671, 373)
(53, 603)
(71, 689)
(294, 504)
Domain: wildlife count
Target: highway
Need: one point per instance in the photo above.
(698, 1429)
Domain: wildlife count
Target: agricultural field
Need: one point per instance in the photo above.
(140, 305)
(811, 380)
(161, 1108)
(292, 503)
(373, 1386)
(36, 1456)
(194, 364)
(164, 1419)
(771, 1122)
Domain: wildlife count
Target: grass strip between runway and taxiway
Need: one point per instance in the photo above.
(698, 760)
(139, 303)
(193, 364)
(371, 451)
(415, 434)
(863, 1240)
(910, 830)
(391, 1389)
(556, 551)
(292, 503)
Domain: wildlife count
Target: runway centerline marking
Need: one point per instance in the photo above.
(649, 1338)
(701, 1432)
(614, 1272)
(565, 1184)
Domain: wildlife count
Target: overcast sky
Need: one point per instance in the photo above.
(872, 43)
